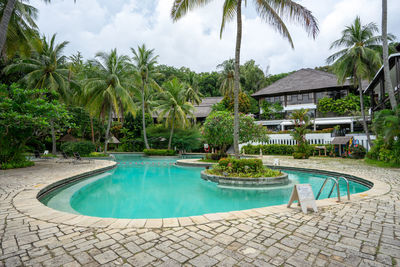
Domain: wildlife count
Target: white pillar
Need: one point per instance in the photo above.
(351, 126)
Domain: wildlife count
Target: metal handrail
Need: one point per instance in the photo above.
(335, 181)
(348, 186)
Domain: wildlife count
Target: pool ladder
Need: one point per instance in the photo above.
(335, 184)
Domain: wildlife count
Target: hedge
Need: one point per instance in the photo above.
(16, 164)
(83, 148)
(242, 165)
(159, 152)
(274, 149)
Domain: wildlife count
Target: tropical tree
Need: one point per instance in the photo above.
(218, 130)
(144, 62)
(227, 77)
(45, 69)
(25, 114)
(174, 107)
(6, 17)
(388, 81)
(107, 89)
(271, 12)
(358, 59)
(192, 89)
(21, 28)
(252, 77)
(301, 122)
(387, 124)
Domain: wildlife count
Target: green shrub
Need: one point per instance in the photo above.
(241, 165)
(84, 148)
(357, 152)
(274, 149)
(16, 164)
(300, 155)
(97, 155)
(386, 152)
(252, 168)
(49, 156)
(159, 152)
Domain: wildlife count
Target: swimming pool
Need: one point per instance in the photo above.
(142, 187)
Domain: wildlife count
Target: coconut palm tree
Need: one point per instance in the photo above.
(144, 62)
(192, 90)
(107, 89)
(271, 12)
(6, 17)
(45, 69)
(227, 77)
(388, 81)
(21, 29)
(173, 107)
(358, 59)
(387, 124)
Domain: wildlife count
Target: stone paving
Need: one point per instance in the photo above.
(359, 233)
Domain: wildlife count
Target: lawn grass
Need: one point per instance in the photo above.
(381, 164)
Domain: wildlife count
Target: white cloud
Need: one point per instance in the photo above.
(193, 41)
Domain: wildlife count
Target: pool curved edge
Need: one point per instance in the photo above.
(27, 202)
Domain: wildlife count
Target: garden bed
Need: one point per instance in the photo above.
(246, 182)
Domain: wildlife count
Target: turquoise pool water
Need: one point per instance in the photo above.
(143, 187)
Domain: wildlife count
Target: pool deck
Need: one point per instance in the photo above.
(362, 232)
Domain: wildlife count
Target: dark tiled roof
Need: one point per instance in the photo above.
(302, 80)
(204, 108)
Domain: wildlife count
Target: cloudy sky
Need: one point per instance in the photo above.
(100, 25)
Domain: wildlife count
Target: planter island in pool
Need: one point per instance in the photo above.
(259, 182)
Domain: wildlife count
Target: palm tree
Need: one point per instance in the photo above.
(227, 77)
(45, 69)
(358, 60)
(144, 63)
(192, 90)
(5, 20)
(387, 124)
(173, 106)
(106, 89)
(21, 29)
(301, 122)
(388, 81)
(270, 11)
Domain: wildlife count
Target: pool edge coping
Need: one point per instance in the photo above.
(27, 202)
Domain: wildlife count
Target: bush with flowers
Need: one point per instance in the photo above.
(246, 168)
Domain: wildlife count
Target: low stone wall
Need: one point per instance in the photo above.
(246, 182)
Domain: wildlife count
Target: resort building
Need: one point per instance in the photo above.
(303, 89)
(204, 109)
(376, 89)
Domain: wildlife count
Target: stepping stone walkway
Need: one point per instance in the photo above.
(359, 233)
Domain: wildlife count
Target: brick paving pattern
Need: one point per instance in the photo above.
(362, 233)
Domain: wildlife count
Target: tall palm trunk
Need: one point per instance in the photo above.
(364, 119)
(53, 138)
(171, 134)
(4, 22)
(386, 69)
(92, 129)
(108, 130)
(237, 79)
(144, 119)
